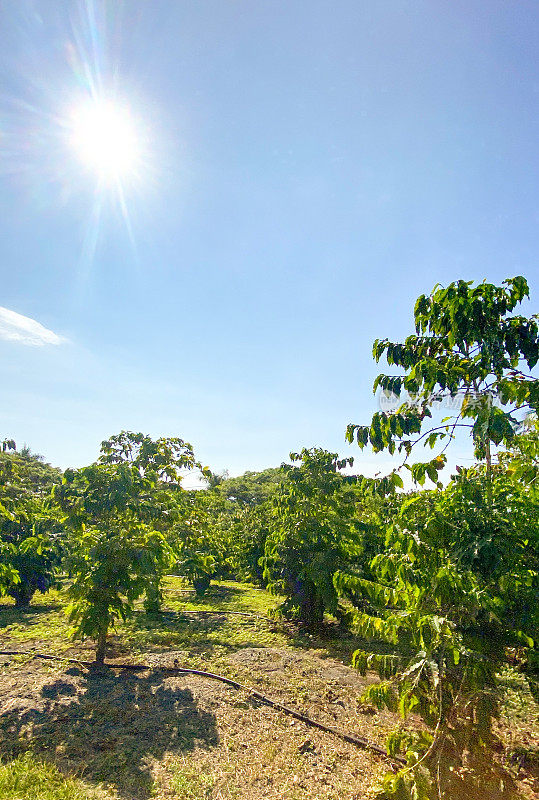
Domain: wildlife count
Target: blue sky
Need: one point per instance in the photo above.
(308, 169)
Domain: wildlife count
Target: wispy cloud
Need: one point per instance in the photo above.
(17, 328)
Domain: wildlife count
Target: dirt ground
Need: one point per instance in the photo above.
(143, 735)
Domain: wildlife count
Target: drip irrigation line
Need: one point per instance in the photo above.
(358, 741)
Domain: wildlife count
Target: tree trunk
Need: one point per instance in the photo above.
(101, 646)
(201, 585)
(489, 472)
(152, 601)
(22, 595)
(488, 457)
(310, 605)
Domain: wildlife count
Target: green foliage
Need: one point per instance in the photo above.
(199, 541)
(120, 510)
(522, 457)
(248, 529)
(467, 346)
(314, 533)
(252, 488)
(162, 460)
(458, 581)
(30, 532)
(455, 588)
(112, 567)
(243, 517)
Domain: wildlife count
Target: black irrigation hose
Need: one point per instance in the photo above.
(359, 741)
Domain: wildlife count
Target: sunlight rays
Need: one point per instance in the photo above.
(78, 135)
(103, 135)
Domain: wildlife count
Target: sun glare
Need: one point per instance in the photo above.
(105, 138)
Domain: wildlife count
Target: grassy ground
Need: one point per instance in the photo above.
(67, 732)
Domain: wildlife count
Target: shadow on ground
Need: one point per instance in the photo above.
(107, 727)
(335, 641)
(468, 772)
(222, 594)
(198, 635)
(10, 615)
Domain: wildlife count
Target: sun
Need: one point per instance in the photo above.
(105, 138)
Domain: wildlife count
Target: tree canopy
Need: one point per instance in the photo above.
(467, 346)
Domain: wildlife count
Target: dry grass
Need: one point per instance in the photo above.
(138, 736)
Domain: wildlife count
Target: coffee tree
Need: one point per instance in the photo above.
(162, 463)
(451, 597)
(31, 540)
(455, 586)
(467, 346)
(200, 542)
(314, 532)
(249, 527)
(242, 512)
(120, 511)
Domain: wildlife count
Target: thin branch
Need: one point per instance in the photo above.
(427, 433)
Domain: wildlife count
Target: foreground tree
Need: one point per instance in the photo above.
(469, 348)
(120, 511)
(453, 599)
(453, 592)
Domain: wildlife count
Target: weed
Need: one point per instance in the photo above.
(27, 778)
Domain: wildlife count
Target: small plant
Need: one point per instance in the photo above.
(198, 567)
(112, 567)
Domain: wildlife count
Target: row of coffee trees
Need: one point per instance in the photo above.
(112, 530)
(440, 583)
